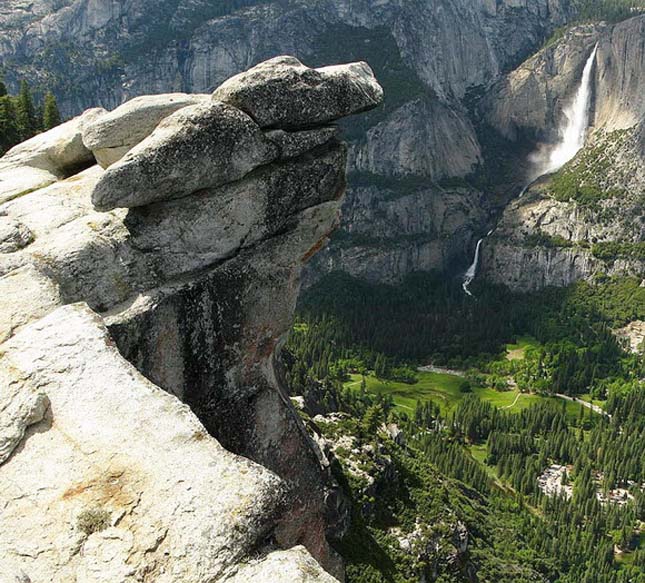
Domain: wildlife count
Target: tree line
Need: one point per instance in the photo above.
(351, 326)
(22, 116)
(609, 10)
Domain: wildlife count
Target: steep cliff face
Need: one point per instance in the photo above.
(587, 219)
(529, 101)
(190, 268)
(531, 98)
(394, 229)
(429, 56)
(450, 46)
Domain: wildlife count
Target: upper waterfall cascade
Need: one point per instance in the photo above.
(576, 121)
(572, 132)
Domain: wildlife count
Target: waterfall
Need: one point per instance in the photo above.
(574, 127)
(572, 132)
(471, 272)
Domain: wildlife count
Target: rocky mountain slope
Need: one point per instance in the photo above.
(588, 219)
(145, 434)
(408, 206)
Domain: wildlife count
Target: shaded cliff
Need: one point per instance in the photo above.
(209, 208)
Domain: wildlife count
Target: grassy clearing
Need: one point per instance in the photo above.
(516, 351)
(443, 389)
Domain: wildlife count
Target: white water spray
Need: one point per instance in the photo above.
(572, 138)
(471, 272)
(573, 131)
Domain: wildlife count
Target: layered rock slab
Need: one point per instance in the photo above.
(112, 135)
(284, 93)
(201, 146)
(45, 158)
(241, 312)
(169, 503)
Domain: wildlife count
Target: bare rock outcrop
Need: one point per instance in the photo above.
(112, 135)
(284, 93)
(292, 566)
(138, 352)
(433, 58)
(200, 146)
(120, 481)
(45, 158)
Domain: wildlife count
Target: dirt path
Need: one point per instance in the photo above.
(513, 403)
(442, 370)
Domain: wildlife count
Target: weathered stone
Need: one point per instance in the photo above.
(120, 479)
(104, 258)
(21, 405)
(57, 149)
(112, 135)
(198, 287)
(240, 311)
(26, 294)
(292, 566)
(18, 180)
(294, 144)
(284, 93)
(188, 234)
(197, 147)
(13, 235)
(45, 158)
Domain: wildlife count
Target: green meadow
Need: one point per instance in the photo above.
(444, 390)
(516, 351)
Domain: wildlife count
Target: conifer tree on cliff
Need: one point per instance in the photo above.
(9, 130)
(51, 115)
(26, 112)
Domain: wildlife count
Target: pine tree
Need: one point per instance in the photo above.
(26, 112)
(9, 130)
(372, 419)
